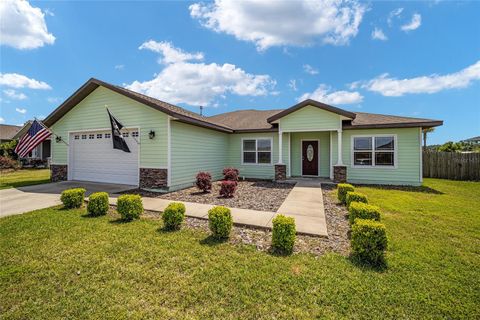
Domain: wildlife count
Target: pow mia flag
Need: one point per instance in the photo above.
(117, 137)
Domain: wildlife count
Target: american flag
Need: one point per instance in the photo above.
(34, 136)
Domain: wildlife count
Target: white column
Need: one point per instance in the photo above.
(280, 134)
(339, 143)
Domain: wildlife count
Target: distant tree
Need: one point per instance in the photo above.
(7, 149)
(425, 131)
(450, 146)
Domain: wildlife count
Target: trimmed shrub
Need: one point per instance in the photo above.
(369, 241)
(98, 204)
(230, 174)
(227, 188)
(355, 197)
(173, 216)
(342, 189)
(283, 234)
(73, 198)
(359, 210)
(220, 222)
(204, 181)
(130, 206)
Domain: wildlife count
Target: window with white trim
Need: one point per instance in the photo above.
(125, 134)
(257, 151)
(77, 137)
(135, 134)
(374, 151)
(84, 136)
(107, 135)
(99, 136)
(91, 136)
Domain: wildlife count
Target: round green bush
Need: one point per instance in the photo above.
(359, 210)
(220, 222)
(369, 241)
(73, 198)
(173, 216)
(130, 206)
(355, 197)
(342, 189)
(283, 234)
(98, 204)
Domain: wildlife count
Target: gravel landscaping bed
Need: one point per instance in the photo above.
(257, 195)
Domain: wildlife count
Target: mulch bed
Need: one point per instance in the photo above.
(256, 195)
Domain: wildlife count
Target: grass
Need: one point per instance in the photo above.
(23, 177)
(58, 263)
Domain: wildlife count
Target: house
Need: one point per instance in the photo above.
(474, 140)
(40, 152)
(169, 144)
(7, 132)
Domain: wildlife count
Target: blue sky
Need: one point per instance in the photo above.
(418, 59)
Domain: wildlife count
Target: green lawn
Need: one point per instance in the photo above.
(57, 264)
(23, 177)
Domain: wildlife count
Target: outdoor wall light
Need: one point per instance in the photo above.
(58, 139)
(151, 134)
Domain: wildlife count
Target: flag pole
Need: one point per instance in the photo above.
(56, 135)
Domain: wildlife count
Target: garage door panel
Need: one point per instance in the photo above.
(92, 158)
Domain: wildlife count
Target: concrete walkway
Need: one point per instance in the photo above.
(304, 203)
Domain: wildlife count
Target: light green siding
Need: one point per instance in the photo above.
(408, 166)
(324, 150)
(256, 171)
(196, 149)
(310, 118)
(90, 114)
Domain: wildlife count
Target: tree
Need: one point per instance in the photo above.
(450, 146)
(425, 131)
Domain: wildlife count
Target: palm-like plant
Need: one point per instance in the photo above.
(425, 132)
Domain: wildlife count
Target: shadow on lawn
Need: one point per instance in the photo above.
(212, 241)
(380, 267)
(423, 189)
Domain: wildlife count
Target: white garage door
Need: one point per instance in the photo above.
(92, 158)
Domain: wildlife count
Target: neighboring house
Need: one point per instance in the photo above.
(474, 140)
(7, 132)
(169, 144)
(40, 152)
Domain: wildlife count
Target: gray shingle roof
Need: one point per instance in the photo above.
(8, 131)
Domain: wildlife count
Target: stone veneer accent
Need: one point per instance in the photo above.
(151, 178)
(339, 174)
(58, 172)
(280, 172)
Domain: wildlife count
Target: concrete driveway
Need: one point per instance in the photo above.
(24, 199)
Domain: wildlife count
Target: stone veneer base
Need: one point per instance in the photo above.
(58, 172)
(340, 174)
(280, 172)
(152, 178)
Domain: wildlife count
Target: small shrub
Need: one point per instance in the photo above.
(204, 181)
(130, 206)
(359, 210)
(369, 241)
(230, 174)
(227, 188)
(73, 198)
(173, 216)
(342, 189)
(220, 222)
(8, 163)
(98, 204)
(283, 234)
(356, 196)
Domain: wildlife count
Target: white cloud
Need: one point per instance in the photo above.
(325, 94)
(14, 94)
(394, 14)
(278, 23)
(53, 99)
(198, 83)
(2, 120)
(377, 34)
(393, 87)
(309, 69)
(119, 67)
(15, 80)
(21, 110)
(23, 26)
(413, 24)
(169, 52)
(293, 84)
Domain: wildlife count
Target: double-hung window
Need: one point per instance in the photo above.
(374, 151)
(257, 151)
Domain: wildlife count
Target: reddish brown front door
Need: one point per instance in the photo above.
(310, 158)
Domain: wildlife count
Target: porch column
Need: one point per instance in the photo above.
(339, 170)
(280, 134)
(339, 144)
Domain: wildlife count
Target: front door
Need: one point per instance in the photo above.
(310, 158)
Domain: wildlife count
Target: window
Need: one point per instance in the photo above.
(135, 134)
(107, 135)
(125, 134)
(99, 136)
(91, 136)
(84, 136)
(374, 151)
(257, 151)
(76, 137)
